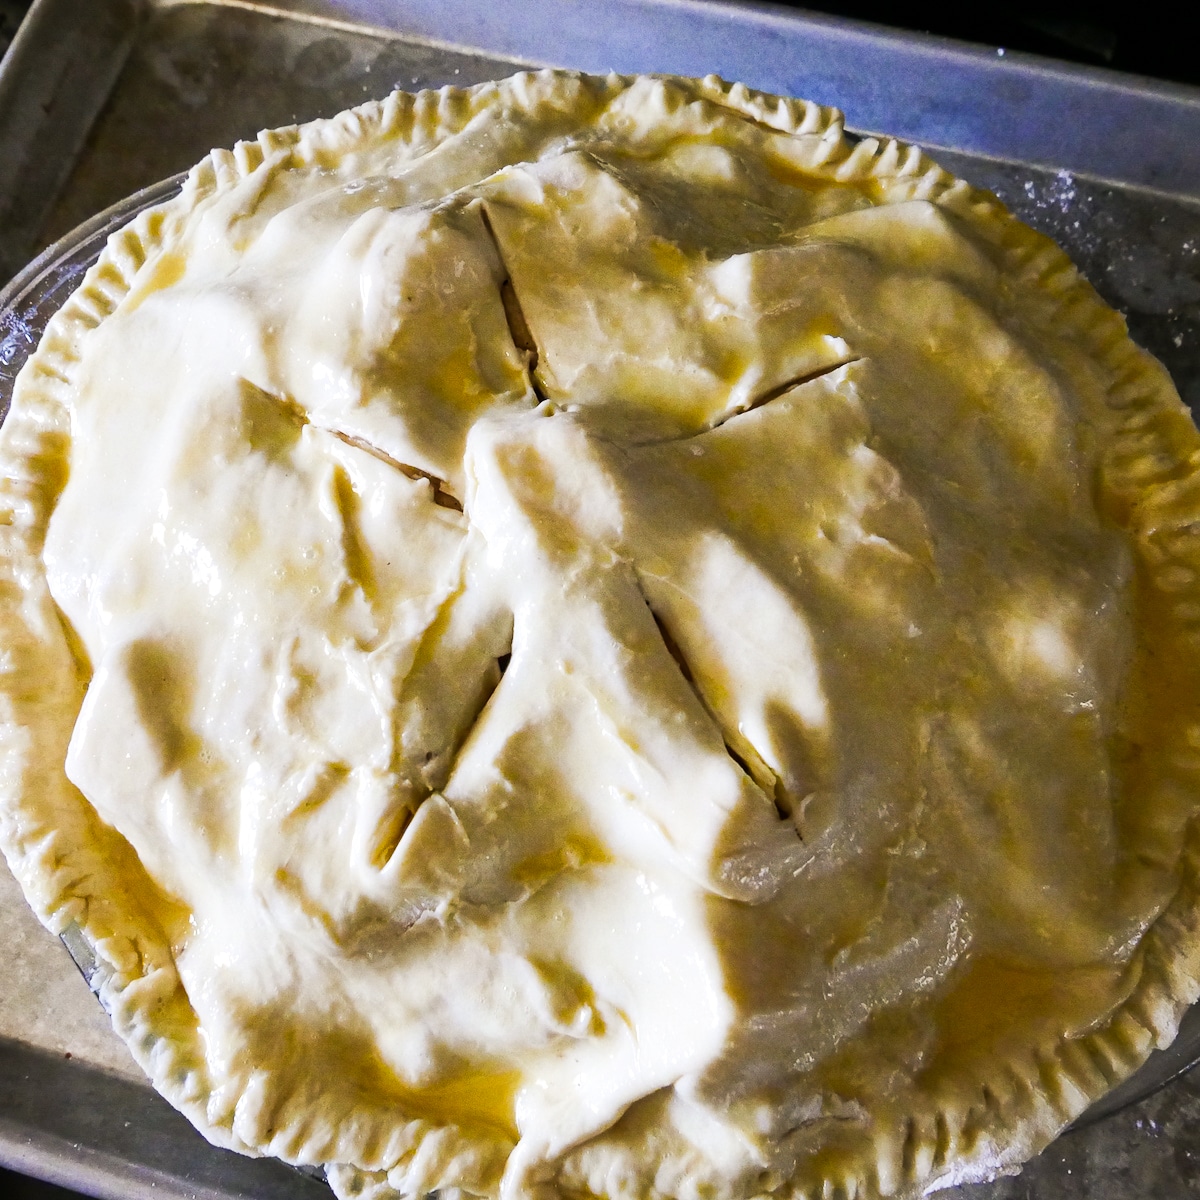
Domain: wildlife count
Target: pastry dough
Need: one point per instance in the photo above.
(597, 637)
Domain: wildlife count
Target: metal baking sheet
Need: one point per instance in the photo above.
(99, 98)
(185, 75)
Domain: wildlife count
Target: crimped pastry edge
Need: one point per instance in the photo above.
(57, 847)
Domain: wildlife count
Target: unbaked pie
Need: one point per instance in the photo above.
(597, 637)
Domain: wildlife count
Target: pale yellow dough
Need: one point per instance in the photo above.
(605, 640)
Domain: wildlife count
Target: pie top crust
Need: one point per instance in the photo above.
(598, 636)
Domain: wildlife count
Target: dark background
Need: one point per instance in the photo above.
(11, 12)
(17, 1187)
(1144, 37)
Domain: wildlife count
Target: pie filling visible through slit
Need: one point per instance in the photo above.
(594, 637)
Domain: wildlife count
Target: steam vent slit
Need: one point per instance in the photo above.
(391, 833)
(477, 718)
(392, 827)
(783, 388)
(514, 314)
(673, 649)
(490, 685)
(442, 495)
(749, 762)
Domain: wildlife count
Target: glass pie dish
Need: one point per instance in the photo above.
(27, 304)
